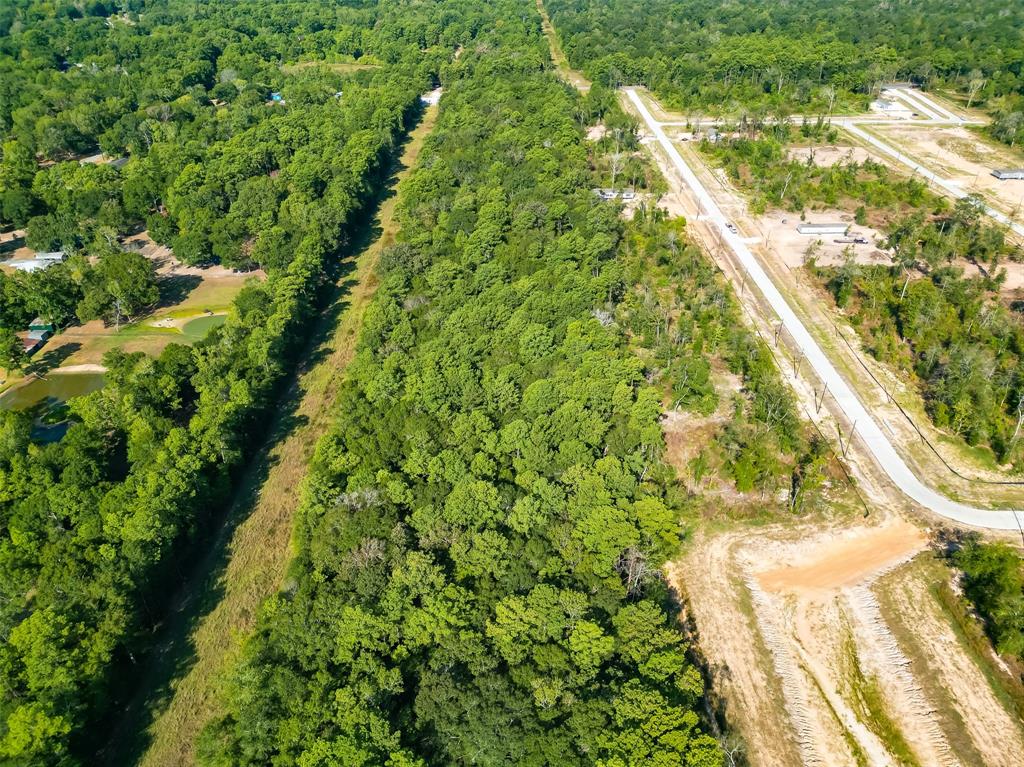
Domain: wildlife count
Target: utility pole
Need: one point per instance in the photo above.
(849, 439)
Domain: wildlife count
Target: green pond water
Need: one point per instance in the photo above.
(58, 387)
(197, 329)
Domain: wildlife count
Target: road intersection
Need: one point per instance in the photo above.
(865, 426)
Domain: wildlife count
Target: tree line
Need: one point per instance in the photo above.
(810, 56)
(92, 526)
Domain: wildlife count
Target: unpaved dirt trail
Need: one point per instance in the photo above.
(180, 697)
(733, 645)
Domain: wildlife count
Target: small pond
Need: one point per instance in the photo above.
(56, 387)
(197, 329)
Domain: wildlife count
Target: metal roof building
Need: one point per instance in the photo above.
(831, 228)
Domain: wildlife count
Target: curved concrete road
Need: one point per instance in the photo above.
(865, 426)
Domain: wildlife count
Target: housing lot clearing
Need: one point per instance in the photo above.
(187, 293)
(855, 379)
(779, 230)
(827, 156)
(806, 658)
(963, 157)
(812, 662)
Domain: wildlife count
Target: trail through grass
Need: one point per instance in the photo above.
(219, 601)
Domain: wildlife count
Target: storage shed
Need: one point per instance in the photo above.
(837, 228)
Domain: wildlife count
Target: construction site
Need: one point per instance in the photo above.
(839, 639)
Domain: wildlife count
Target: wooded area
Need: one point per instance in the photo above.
(95, 524)
(808, 56)
(479, 570)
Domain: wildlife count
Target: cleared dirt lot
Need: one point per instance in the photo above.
(827, 156)
(815, 671)
(779, 230)
(964, 157)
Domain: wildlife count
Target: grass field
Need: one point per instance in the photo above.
(340, 67)
(567, 73)
(218, 603)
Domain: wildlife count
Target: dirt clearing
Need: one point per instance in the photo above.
(780, 234)
(812, 664)
(847, 560)
(827, 156)
(964, 157)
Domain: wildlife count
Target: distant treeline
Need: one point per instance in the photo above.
(800, 55)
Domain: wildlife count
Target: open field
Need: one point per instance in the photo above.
(340, 67)
(827, 156)
(218, 605)
(829, 647)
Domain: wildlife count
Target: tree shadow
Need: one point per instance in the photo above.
(176, 288)
(9, 246)
(148, 682)
(53, 358)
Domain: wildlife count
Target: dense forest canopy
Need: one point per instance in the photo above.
(92, 524)
(476, 580)
(799, 55)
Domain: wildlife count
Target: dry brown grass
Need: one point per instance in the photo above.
(567, 73)
(340, 67)
(181, 695)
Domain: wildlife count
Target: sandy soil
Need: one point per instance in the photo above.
(793, 633)
(168, 266)
(1014, 274)
(177, 323)
(845, 561)
(827, 156)
(963, 157)
(779, 230)
(958, 683)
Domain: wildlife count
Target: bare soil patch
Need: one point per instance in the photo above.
(846, 561)
(812, 664)
(827, 156)
(964, 157)
(779, 229)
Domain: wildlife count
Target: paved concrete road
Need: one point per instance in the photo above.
(866, 428)
(954, 189)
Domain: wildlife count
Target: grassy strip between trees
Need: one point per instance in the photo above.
(220, 602)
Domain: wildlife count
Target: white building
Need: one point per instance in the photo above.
(838, 228)
(37, 262)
